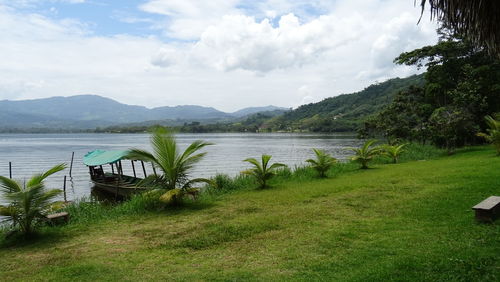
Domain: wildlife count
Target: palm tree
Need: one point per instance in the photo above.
(477, 20)
(262, 171)
(366, 153)
(29, 202)
(175, 165)
(322, 163)
(393, 151)
(493, 135)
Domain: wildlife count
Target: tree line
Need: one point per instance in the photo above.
(462, 88)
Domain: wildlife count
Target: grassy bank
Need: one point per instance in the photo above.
(410, 221)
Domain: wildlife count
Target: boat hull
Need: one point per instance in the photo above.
(117, 190)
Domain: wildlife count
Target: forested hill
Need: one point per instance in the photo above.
(337, 114)
(344, 112)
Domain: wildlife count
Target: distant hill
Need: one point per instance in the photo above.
(344, 112)
(341, 113)
(78, 108)
(253, 110)
(190, 112)
(14, 120)
(91, 111)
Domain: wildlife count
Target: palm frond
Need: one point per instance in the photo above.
(477, 20)
(194, 147)
(276, 166)
(139, 154)
(254, 162)
(8, 185)
(39, 178)
(27, 202)
(261, 171)
(311, 161)
(174, 164)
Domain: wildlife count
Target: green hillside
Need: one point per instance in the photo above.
(344, 112)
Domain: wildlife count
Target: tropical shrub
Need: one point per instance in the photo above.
(393, 151)
(322, 163)
(262, 171)
(493, 133)
(28, 202)
(366, 153)
(173, 184)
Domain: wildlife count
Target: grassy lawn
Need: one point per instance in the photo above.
(410, 221)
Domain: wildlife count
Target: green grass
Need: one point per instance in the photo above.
(394, 222)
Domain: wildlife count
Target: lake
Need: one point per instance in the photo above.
(33, 153)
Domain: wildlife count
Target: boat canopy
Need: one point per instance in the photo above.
(101, 157)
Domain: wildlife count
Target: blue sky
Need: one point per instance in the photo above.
(227, 54)
(114, 17)
(104, 18)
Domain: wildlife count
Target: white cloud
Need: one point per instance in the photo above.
(234, 58)
(240, 42)
(187, 19)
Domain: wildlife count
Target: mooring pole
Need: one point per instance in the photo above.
(10, 170)
(121, 167)
(64, 189)
(154, 169)
(71, 165)
(144, 169)
(133, 168)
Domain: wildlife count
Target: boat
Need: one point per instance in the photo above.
(114, 182)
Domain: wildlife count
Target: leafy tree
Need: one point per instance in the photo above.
(366, 153)
(493, 135)
(393, 151)
(173, 182)
(405, 118)
(322, 163)
(462, 86)
(450, 127)
(28, 202)
(262, 171)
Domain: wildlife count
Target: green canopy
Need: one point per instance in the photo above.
(101, 157)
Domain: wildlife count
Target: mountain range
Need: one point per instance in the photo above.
(90, 111)
(86, 112)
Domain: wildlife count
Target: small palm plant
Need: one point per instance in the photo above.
(366, 153)
(28, 202)
(322, 163)
(262, 171)
(493, 135)
(393, 151)
(173, 183)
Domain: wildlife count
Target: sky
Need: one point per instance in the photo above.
(226, 54)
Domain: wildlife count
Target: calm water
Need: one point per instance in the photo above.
(33, 153)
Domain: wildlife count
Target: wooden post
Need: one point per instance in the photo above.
(154, 169)
(112, 169)
(144, 169)
(133, 168)
(71, 165)
(10, 170)
(64, 189)
(119, 169)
